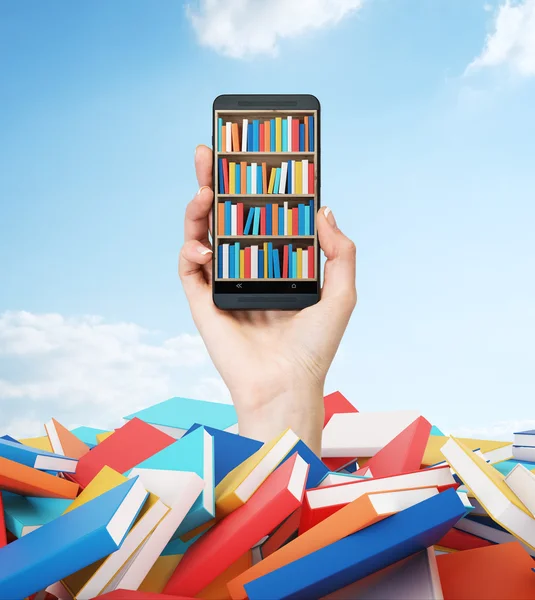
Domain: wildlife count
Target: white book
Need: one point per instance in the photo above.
(489, 488)
(254, 262)
(305, 265)
(525, 438)
(228, 137)
(526, 453)
(343, 494)
(363, 434)
(286, 218)
(289, 134)
(176, 489)
(284, 174)
(234, 219)
(225, 261)
(499, 454)
(292, 191)
(305, 176)
(522, 483)
(244, 135)
(253, 177)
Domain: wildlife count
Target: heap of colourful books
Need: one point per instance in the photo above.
(175, 504)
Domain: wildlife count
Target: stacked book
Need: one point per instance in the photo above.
(175, 504)
(524, 446)
(281, 134)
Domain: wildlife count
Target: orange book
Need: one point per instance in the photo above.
(223, 138)
(64, 442)
(306, 135)
(264, 178)
(235, 138)
(497, 572)
(26, 481)
(275, 219)
(243, 177)
(355, 516)
(267, 136)
(221, 218)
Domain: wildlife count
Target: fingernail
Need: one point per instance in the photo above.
(202, 250)
(199, 145)
(329, 216)
(204, 187)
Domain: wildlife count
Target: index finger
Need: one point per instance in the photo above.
(203, 165)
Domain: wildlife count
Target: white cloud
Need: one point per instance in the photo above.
(512, 42)
(244, 28)
(500, 430)
(85, 371)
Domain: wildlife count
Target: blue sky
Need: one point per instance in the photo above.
(427, 146)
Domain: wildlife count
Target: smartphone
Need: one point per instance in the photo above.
(266, 175)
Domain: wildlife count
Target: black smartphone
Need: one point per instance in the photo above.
(266, 177)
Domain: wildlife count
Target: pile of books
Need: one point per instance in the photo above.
(175, 504)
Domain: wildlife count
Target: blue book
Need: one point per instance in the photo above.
(237, 259)
(269, 211)
(250, 146)
(256, 135)
(272, 136)
(221, 179)
(258, 179)
(270, 260)
(277, 180)
(219, 133)
(220, 260)
(276, 264)
(290, 261)
(307, 221)
(24, 514)
(260, 264)
(238, 178)
(230, 450)
(361, 553)
(312, 217)
(35, 458)
(294, 264)
(179, 414)
(249, 222)
(88, 435)
(256, 224)
(352, 467)
(301, 137)
(281, 220)
(285, 135)
(317, 470)
(10, 439)
(71, 542)
(301, 219)
(231, 261)
(289, 180)
(228, 217)
(311, 134)
(194, 453)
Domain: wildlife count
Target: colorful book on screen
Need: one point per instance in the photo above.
(214, 552)
(176, 415)
(362, 553)
(24, 514)
(194, 453)
(64, 442)
(38, 459)
(71, 542)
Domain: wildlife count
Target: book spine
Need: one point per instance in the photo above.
(242, 264)
(285, 230)
(232, 261)
(264, 179)
(231, 178)
(304, 274)
(237, 259)
(259, 185)
(228, 137)
(266, 255)
(311, 134)
(237, 178)
(298, 177)
(263, 220)
(301, 137)
(262, 138)
(220, 178)
(293, 177)
(312, 217)
(225, 261)
(220, 218)
(273, 135)
(278, 134)
(306, 209)
(270, 260)
(240, 218)
(243, 175)
(290, 263)
(261, 273)
(289, 176)
(256, 134)
(281, 220)
(267, 136)
(284, 174)
(299, 263)
(249, 223)
(301, 221)
(254, 262)
(275, 219)
(277, 180)
(220, 261)
(244, 131)
(256, 226)
(290, 222)
(269, 214)
(290, 125)
(247, 274)
(284, 135)
(228, 218)
(285, 262)
(271, 181)
(305, 148)
(225, 175)
(235, 138)
(250, 147)
(276, 264)
(234, 219)
(294, 264)
(305, 177)
(254, 175)
(311, 178)
(224, 138)
(311, 262)
(219, 134)
(295, 221)
(295, 135)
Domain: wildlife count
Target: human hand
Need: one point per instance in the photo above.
(274, 363)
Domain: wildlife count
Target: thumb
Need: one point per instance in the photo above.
(340, 268)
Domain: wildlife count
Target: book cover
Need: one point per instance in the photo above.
(240, 219)
(278, 134)
(64, 442)
(276, 264)
(284, 135)
(24, 514)
(235, 138)
(263, 220)
(256, 223)
(295, 135)
(237, 184)
(276, 186)
(248, 225)
(225, 175)
(285, 261)
(244, 131)
(35, 458)
(228, 218)
(248, 262)
(311, 135)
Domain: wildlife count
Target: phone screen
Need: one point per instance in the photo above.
(266, 196)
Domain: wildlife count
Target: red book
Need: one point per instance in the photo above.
(310, 178)
(247, 266)
(262, 138)
(295, 135)
(460, 540)
(282, 534)
(3, 536)
(225, 175)
(263, 220)
(131, 444)
(275, 500)
(295, 221)
(401, 455)
(137, 595)
(334, 403)
(240, 218)
(311, 261)
(285, 262)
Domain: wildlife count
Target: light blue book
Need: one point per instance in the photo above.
(220, 261)
(231, 261)
(24, 514)
(311, 134)
(259, 187)
(249, 222)
(272, 136)
(249, 179)
(285, 135)
(289, 180)
(281, 220)
(237, 258)
(277, 180)
(35, 458)
(506, 466)
(276, 264)
(294, 264)
(435, 431)
(238, 178)
(307, 221)
(228, 217)
(176, 415)
(88, 435)
(219, 133)
(301, 219)
(261, 264)
(71, 542)
(256, 135)
(256, 223)
(194, 453)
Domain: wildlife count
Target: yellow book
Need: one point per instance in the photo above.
(272, 181)
(41, 443)
(106, 479)
(299, 263)
(232, 178)
(488, 485)
(160, 573)
(103, 436)
(289, 221)
(278, 134)
(241, 483)
(265, 260)
(298, 177)
(433, 451)
(242, 264)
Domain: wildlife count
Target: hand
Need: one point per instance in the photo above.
(274, 363)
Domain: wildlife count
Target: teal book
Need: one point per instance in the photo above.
(88, 435)
(219, 133)
(238, 178)
(277, 180)
(194, 453)
(307, 221)
(231, 261)
(24, 514)
(176, 415)
(506, 466)
(272, 136)
(256, 223)
(301, 219)
(435, 431)
(259, 187)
